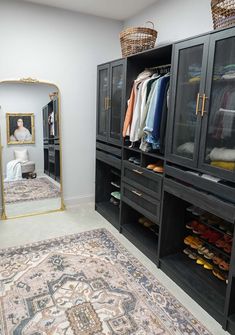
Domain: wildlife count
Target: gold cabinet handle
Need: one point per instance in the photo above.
(105, 103)
(137, 193)
(137, 171)
(204, 98)
(109, 103)
(197, 103)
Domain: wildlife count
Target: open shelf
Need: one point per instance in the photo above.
(143, 238)
(150, 154)
(109, 211)
(200, 283)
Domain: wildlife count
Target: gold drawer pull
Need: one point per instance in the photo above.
(137, 193)
(204, 98)
(197, 103)
(137, 171)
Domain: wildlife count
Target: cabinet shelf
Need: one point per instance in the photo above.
(148, 154)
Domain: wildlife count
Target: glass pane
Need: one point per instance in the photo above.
(187, 88)
(103, 94)
(116, 99)
(220, 144)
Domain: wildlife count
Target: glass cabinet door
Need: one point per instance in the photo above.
(187, 84)
(102, 101)
(219, 113)
(116, 100)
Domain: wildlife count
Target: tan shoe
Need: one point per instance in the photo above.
(151, 166)
(158, 169)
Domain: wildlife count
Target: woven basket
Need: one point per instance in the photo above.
(137, 39)
(223, 13)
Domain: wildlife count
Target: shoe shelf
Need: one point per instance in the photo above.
(145, 238)
(134, 148)
(206, 285)
(152, 163)
(107, 201)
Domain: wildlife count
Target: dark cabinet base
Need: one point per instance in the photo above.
(109, 211)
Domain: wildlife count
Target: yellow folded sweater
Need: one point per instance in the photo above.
(224, 165)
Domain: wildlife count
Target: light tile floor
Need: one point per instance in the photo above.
(15, 232)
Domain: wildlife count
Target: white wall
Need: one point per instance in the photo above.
(175, 19)
(62, 47)
(18, 98)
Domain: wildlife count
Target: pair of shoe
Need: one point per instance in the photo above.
(190, 253)
(221, 275)
(211, 235)
(227, 228)
(194, 242)
(145, 222)
(155, 167)
(114, 201)
(116, 195)
(204, 263)
(197, 227)
(206, 252)
(195, 210)
(221, 263)
(134, 160)
(225, 243)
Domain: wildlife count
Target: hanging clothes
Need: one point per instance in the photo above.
(164, 119)
(153, 121)
(139, 114)
(148, 101)
(131, 102)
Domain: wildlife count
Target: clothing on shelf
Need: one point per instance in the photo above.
(222, 154)
(187, 149)
(146, 105)
(224, 165)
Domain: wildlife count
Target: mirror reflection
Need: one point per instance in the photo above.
(30, 138)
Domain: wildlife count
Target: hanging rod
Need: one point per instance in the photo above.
(159, 67)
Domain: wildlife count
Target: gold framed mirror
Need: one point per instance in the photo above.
(30, 148)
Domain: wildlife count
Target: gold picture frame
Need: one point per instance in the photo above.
(20, 128)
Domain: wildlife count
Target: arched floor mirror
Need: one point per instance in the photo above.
(31, 157)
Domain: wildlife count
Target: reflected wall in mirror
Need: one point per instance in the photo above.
(31, 148)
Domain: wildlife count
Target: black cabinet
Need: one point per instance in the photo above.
(153, 207)
(187, 85)
(201, 127)
(51, 141)
(110, 101)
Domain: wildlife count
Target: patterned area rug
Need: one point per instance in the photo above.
(30, 189)
(85, 284)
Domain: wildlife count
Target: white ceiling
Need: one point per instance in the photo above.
(113, 9)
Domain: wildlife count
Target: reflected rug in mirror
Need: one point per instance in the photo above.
(86, 284)
(30, 189)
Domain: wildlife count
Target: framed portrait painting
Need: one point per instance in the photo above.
(20, 128)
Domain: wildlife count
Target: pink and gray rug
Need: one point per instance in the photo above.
(85, 284)
(30, 189)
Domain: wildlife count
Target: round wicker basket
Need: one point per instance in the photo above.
(223, 13)
(137, 39)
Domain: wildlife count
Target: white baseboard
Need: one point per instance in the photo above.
(76, 201)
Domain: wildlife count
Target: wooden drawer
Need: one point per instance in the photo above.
(149, 182)
(141, 202)
(109, 159)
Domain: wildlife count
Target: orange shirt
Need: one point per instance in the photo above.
(129, 112)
